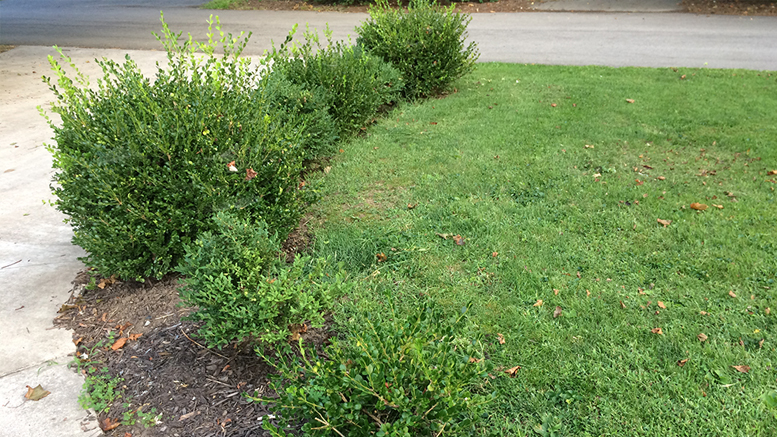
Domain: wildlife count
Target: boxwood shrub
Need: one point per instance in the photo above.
(143, 166)
(426, 43)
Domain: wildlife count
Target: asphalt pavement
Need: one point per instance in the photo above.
(37, 260)
(613, 39)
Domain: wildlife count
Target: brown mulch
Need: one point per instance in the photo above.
(198, 391)
(731, 7)
(709, 7)
(301, 5)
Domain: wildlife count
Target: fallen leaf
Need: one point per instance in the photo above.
(231, 166)
(665, 222)
(555, 291)
(681, 363)
(553, 105)
(500, 338)
(126, 434)
(250, 174)
(459, 240)
(134, 337)
(512, 371)
(629, 100)
(297, 329)
(732, 294)
(557, 312)
(329, 168)
(587, 293)
(119, 343)
(718, 206)
(743, 369)
(702, 338)
(661, 305)
(682, 77)
(698, 206)
(108, 424)
(494, 254)
(76, 342)
(37, 393)
(589, 146)
(411, 205)
(342, 151)
(661, 178)
(187, 415)
(381, 257)
(761, 343)
(704, 313)
(639, 182)
(538, 303)
(475, 360)
(444, 236)
(623, 305)
(657, 331)
(771, 172)
(767, 311)
(578, 275)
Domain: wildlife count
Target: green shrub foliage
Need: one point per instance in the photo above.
(143, 166)
(355, 85)
(308, 108)
(404, 377)
(425, 42)
(243, 293)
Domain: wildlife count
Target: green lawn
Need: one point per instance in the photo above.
(540, 211)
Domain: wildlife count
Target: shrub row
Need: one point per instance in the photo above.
(198, 171)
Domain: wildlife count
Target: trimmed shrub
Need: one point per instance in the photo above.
(143, 166)
(243, 292)
(402, 377)
(355, 85)
(425, 42)
(310, 109)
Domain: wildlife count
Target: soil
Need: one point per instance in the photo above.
(732, 7)
(198, 391)
(709, 7)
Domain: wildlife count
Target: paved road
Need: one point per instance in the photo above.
(615, 39)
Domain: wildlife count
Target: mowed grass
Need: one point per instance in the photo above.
(559, 205)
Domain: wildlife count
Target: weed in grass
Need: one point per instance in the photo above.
(568, 197)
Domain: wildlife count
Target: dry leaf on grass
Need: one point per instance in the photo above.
(108, 424)
(661, 305)
(494, 254)
(761, 343)
(743, 369)
(702, 338)
(250, 174)
(381, 257)
(767, 311)
(718, 206)
(538, 303)
(681, 363)
(37, 393)
(557, 312)
(475, 360)
(555, 291)
(512, 371)
(732, 294)
(771, 172)
(704, 313)
(500, 338)
(698, 206)
(231, 166)
(411, 205)
(459, 240)
(623, 305)
(657, 331)
(119, 343)
(629, 100)
(661, 178)
(665, 222)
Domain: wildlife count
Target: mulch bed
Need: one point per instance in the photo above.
(199, 391)
(708, 7)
